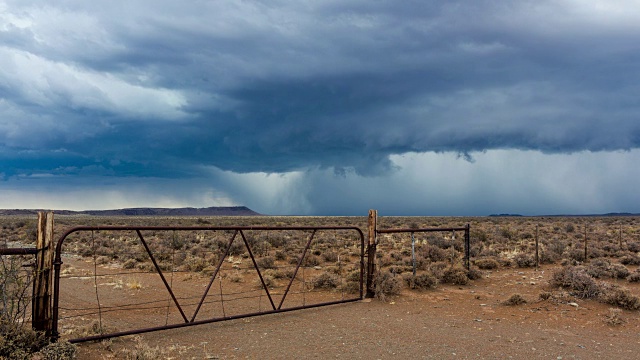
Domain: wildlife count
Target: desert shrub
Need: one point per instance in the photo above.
(129, 264)
(280, 255)
(595, 253)
(515, 299)
(267, 262)
(60, 350)
(385, 261)
(19, 342)
(330, 256)
(455, 275)
(555, 247)
(326, 281)
(576, 279)
(634, 276)
(396, 255)
(599, 268)
(613, 294)
(505, 262)
(276, 274)
(387, 284)
(633, 246)
(488, 252)
(474, 273)
(15, 288)
(547, 257)
(574, 254)
(438, 269)
(437, 254)
(269, 281)
(420, 281)
(311, 260)
(525, 260)
(195, 264)
(630, 259)
(397, 270)
(487, 264)
(619, 271)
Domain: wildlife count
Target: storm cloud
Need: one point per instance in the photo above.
(212, 91)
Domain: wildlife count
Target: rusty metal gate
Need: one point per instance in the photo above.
(293, 268)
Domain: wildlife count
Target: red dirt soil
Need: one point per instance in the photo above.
(449, 322)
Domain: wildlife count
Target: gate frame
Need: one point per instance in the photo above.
(57, 263)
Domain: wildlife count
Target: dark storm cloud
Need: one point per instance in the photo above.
(157, 89)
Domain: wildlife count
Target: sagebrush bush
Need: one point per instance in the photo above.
(420, 281)
(613, 294)
(577, 281)
(326, 281)
(387, 284)
(525, 260)
(487, 263)
(630, 259)
(634, 276)
(455, 275)
(267, 262)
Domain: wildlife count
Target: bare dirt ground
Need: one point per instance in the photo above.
(448, 322)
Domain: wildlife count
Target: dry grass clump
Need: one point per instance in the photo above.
(515, 299)
(142, 351)
(614, 317)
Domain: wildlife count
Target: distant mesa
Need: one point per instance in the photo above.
(209, 211)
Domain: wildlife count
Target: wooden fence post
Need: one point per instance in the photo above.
(371, 253)
(41, 303)
(537, 249)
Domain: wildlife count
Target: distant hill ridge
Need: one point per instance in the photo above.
(188, 211)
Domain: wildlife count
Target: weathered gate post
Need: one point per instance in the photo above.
(371, 253)
(467, 248)
(42, 284)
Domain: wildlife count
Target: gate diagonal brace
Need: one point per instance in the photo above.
(166, 284)
(213, 277)
(295, 272)
(255, 265)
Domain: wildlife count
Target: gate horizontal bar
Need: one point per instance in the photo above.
(18, 251)
(393, 231)
(208, 321)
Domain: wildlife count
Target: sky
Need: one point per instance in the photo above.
(294, 107)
